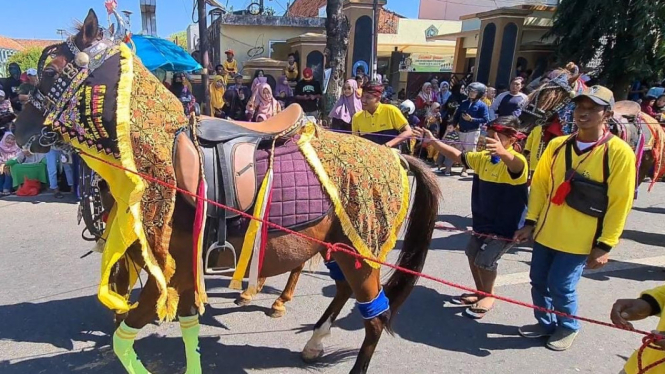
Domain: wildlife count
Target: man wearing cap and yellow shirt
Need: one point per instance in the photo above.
(569, 233)
(230, 65)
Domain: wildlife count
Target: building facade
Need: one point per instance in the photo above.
(453, 10)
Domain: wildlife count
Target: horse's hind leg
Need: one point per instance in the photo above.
(314, 348)
(372, 304)
(278, 308)
(125, 334)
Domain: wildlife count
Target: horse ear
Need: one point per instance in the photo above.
(112, 29)
(90, 29)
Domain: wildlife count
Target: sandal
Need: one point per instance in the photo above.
(5, 194)
(477, 312)
(465, 299)
(58, 195)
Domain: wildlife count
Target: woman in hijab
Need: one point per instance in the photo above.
(346, 106)
(259, 78)
(283, 91)
(234, 107)
(217, 90)
(265, 105)
(444, 93)
(8, 151)
(424, 100)
(181, 90)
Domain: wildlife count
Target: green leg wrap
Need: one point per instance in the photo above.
(190, 335)
(123, 346)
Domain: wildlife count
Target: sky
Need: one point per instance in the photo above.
(45, 17)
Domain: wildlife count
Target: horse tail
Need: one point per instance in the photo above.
(424, 210)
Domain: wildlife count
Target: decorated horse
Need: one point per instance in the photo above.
(161, 168)
(550, 107)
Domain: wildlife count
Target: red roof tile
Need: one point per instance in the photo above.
(22, 44)
(306, 8)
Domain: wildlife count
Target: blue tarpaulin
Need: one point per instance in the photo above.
(157, 53)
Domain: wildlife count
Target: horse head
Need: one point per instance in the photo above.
(59, 70)
(550, 97)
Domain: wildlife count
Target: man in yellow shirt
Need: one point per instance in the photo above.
(573, 231)
(377, 122)
(650, 303)
(532, 147)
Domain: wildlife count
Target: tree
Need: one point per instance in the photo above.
(625, 35)
(26, 59)
(337, 43)
(179, 38)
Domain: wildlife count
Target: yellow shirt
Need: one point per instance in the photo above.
(291, 71)
(650, 355)
(380, 127)
(563, 228)
(533, 146)
(231, 69)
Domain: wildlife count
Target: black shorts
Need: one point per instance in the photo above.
(486, 252)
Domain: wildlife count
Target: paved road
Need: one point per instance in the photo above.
(51, 322)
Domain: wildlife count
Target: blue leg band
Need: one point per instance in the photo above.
(376, 307)
(335, 271)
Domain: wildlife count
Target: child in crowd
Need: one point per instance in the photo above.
(291, 70)
(498, 199)
(8, 151)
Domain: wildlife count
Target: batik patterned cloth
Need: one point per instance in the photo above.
(125, 117)
(366, 184)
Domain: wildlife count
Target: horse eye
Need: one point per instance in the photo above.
(49, 72)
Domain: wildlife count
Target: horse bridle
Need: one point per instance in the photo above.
(80, 64)
(560, 82)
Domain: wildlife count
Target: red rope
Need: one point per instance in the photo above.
(648, 339)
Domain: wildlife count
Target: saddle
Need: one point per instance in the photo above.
(228, 149)
(626, 123)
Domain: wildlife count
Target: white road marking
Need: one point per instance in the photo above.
(520, 278)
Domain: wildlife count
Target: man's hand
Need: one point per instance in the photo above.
(597, 259)
(424, 134)
(467, 117)
(625, 310)
(495, 147)
(524, 234)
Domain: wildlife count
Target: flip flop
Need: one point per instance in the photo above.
(463, 299)
(476, 312)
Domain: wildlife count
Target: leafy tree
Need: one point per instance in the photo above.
(26, 59)
(179, 38)
(337, 43)
(627, 36)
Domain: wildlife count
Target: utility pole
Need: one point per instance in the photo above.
(375, 42)
(203, 53)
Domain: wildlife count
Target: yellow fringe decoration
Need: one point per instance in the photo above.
(309, 132)
(125, 226)
(250, 238)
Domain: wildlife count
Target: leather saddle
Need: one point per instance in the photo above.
(626, 122)
(228, 149)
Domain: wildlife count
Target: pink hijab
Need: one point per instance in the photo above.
(257, 82)
(266, 108)
(8, 152)
(347, 106)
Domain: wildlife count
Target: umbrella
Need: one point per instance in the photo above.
(156, 53)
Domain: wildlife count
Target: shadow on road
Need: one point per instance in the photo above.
(423, 319)
(642, 237)
(650, 209)
(61, 323)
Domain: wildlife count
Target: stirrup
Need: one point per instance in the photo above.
(220, 248)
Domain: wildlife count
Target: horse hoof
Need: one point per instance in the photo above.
(276, 313)
(310, 356)
(241, 301)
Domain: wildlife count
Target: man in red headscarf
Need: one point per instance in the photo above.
(498, 199)
(380, 123)
(308, 92)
